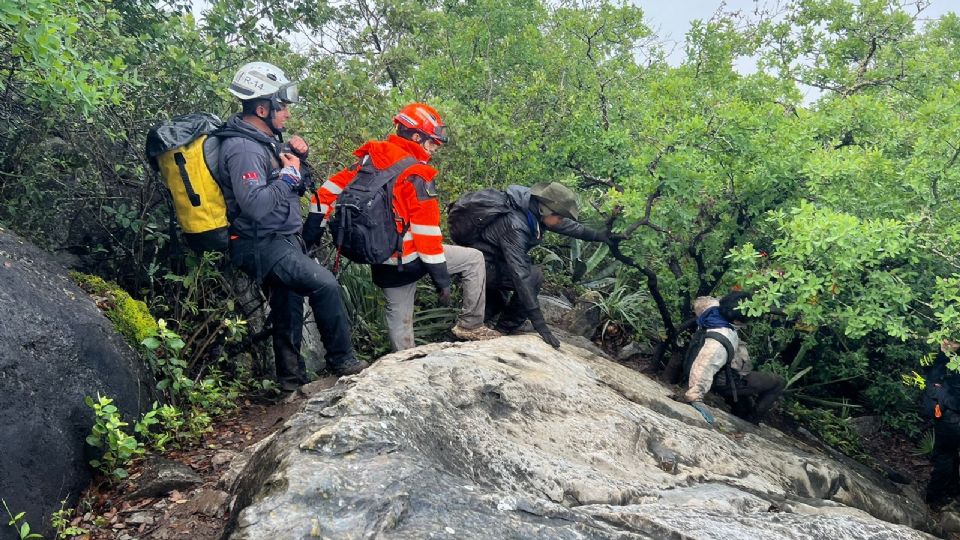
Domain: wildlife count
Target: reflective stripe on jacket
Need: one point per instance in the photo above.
(414, 202)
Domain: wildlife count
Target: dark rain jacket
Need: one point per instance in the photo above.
(258, 205)
(507, 241)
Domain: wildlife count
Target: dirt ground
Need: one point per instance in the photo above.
(200, 512)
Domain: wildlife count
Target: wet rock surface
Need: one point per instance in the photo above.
(55, 348)
(511, 439)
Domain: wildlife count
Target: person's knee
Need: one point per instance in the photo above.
(475, 256)
(318, 282)
(470, 262)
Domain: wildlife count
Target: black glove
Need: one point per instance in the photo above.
(547, 335)
(443, 296)
(287, 148)
(610, 238)
(306, 176)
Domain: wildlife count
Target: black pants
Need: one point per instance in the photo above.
(512, 313)
(756, 393)
(945, 477)
(289, 275)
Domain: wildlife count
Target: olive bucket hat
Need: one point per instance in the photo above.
(555, 198)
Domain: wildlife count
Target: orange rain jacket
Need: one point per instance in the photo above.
(414, 202)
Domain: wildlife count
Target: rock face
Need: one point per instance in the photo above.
(511, 439)
(580, 319)
(55, 348)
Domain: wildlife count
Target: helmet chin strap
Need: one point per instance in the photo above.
(271, 114)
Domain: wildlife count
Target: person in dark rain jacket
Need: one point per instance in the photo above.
(526, 213)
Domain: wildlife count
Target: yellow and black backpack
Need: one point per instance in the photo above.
(186, 152)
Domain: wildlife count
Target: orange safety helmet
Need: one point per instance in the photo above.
(423, 118)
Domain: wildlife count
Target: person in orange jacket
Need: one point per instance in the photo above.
(419, 133)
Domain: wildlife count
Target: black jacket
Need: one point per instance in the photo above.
(507, 241)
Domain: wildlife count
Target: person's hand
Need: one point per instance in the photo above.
(949, 346)
(299, 147)
(443, 296)
(704, 411)
(609, 238)
(290, 176)
(548, 336)
(290, 160)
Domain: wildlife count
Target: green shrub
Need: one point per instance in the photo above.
(925, 446)
(163, 349)
(60, 520)
(18, 524)
(832, 428)
(107, 434)
(365, 305)
(895, 403)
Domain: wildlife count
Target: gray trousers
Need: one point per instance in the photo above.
(469, 264)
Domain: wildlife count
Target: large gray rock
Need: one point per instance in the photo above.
(584, 319)
(55, 348)
(511, 439)
(554, 309)
(580, 319)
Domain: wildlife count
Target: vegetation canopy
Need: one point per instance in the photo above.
(841, 212)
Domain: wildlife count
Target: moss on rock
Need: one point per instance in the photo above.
(130, 317)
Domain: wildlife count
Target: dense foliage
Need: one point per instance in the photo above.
(840, 211)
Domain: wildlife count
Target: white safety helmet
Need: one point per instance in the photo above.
(261, 80)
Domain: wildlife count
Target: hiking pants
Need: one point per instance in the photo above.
(756, 393)
(289, 275)
(463, 261)
(499, 283)
(945, 478)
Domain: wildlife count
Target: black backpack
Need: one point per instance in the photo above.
(364, 225)
(470, 215)
(693, 349)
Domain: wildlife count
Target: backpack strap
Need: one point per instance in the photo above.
(387, 179)
(393, 173)
(728, 371)
(228, 133)
(727, 345)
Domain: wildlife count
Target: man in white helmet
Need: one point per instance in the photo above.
(262, 189)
